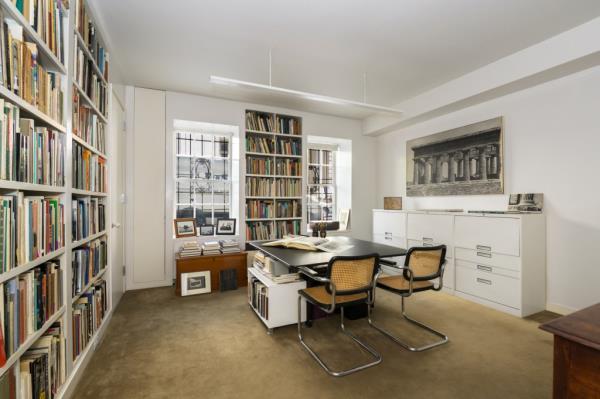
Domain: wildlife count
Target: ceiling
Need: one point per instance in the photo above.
(324, 46)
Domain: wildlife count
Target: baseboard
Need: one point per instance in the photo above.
(69, 386)
(560, 309)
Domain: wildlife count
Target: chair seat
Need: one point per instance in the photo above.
(401, 285)
(320, 296)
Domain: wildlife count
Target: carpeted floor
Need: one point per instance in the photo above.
(213, 346)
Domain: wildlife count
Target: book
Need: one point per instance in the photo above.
(309, 244)
(87, 262)
(89, 170)
(88, 314)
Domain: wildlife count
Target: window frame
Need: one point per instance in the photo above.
(333, 148)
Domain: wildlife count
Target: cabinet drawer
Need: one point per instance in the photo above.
(393, 223)
(489, 258)
(415, 243)
(392, 240)
(491, 234)
(423, 227)
(493, 287)
(449, 274)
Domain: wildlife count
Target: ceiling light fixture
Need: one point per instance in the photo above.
(259, 87)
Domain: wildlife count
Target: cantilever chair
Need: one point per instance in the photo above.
(350, 280)
(422, 265)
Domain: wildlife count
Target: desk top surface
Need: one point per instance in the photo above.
(582, 327)
(297, 257)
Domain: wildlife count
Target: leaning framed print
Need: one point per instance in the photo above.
(207, 230)
(226, 227)
(185, 227)
(195, 283)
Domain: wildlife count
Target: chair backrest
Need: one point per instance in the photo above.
(425, 262)
(352, 274)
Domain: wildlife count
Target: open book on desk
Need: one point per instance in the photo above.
(309, 244)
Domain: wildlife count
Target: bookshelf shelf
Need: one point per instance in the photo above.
(31, 340)
(79, 192)
(262, 154)
(90, 103)
(88, 146)
(89, 285)
(12, 273)
(42, 188)
(49, 59)
(293, 136)
(272, 219)
(83, 241)
(89, 56)
(30, 109)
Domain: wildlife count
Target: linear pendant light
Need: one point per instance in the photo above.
(301, 94)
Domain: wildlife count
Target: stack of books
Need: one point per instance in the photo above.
(189, 249)
(211, 248)
(229, 246)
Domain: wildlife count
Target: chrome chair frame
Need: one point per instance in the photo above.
(444, 339)
(370, 295)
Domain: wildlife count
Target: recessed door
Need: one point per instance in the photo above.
(117, 223)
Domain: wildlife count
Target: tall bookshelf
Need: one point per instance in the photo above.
(50, 259)
(273, 175)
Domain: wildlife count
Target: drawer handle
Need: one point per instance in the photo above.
(484, 254)
(426, 244)
(427, 239)
(388, 233)
(388, 237)
(484, 268)
(484, 281)
(484, 248)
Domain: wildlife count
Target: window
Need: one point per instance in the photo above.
(203, 183)
(322, 199)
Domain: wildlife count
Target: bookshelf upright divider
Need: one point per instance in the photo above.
(273, 175)
(72, 119)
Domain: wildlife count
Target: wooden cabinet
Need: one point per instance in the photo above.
(214, 264)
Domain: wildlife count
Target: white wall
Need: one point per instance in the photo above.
(552, 138)
(206, 109)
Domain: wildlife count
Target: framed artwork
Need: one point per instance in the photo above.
(185, 227)
(226, 227)
(344, 219)
(195, 283)
(207, 230)
(530, 202)
(464, 161)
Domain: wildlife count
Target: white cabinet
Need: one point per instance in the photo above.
(496, 260)
(389, 228)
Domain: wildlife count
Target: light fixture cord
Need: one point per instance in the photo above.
(364, 87)
(270, 69)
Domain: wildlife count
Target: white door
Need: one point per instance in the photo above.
(146, 191)
(117, 206)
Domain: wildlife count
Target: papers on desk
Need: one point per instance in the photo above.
(309, 244)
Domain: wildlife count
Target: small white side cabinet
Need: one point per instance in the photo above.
(498, 260)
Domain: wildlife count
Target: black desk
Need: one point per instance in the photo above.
(296, 257)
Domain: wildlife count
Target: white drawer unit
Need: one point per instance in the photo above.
(498, 260)
(389, 223)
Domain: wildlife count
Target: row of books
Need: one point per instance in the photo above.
(87, 263)
(30, 227)
(85, 76)
(43, 368)
(259, 209)
(88, 217)
(27, 302)
(229, 246)
(288, 167)
(259, 144)
(259, 187)
(288, 188)
(46, 18)
(288, 209)
(28, 153)
(89, 170)
(259, 231)
(258, 297)
(289, 147)
(87, 125)
(88, 313)
(287, 227)
(287, 125)
(260, 166)
(190, 249)
(24, 75)
(85, 26)
(266, 122)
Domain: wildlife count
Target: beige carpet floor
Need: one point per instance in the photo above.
(159, 345)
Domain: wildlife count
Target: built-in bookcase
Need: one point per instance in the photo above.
(273, 186)
(54, 197)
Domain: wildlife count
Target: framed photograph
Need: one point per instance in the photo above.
(207, 230)
(195, 283)
(185, 227)
(344, 219)
(226, 227)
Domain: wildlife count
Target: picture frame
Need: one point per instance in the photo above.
(185, 227)
(226, 227)
(207, 230)
(344, 218)
(195, 283)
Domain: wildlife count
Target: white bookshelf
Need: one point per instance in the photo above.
(63, 256)
(274, 155)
